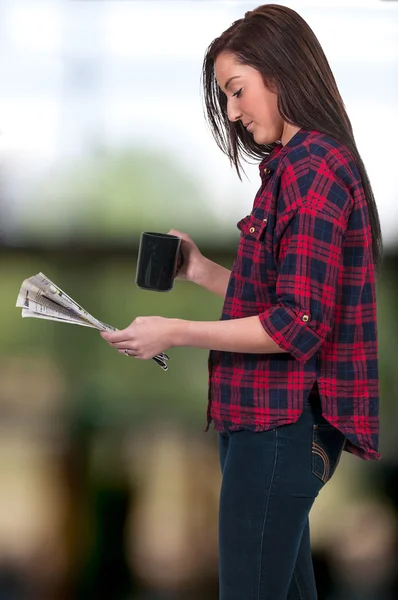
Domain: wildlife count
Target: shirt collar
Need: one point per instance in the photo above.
(272, 160)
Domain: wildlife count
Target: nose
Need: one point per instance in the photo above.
(233, 112)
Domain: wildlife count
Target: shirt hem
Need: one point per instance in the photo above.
(350, 447)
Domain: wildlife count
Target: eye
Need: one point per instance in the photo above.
(238, 93)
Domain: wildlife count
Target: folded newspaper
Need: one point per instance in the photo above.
(40, 298)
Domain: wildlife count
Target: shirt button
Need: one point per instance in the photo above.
(305, 318)
(266, 171)
(265, 220)
(252, 230)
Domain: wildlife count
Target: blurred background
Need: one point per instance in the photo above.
(108, 486)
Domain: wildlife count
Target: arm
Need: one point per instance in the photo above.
(307, 283)
(238, 335)
(212, 277)
(147, 336)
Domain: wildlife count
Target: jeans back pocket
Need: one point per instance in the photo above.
(327, 446)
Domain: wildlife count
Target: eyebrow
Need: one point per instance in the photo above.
(230, 79)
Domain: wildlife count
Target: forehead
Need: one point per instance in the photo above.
(226, 66)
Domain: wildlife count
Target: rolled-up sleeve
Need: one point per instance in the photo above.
(309, 240)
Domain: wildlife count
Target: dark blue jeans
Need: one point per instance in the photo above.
(270, 481)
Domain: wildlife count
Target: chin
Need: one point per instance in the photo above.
(261, 137)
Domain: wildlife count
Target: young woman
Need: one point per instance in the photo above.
(293, 367)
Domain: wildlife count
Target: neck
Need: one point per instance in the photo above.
(288, 132)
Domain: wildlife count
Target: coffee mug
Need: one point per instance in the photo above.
(159, 258)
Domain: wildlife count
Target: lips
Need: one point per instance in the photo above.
(249, 126)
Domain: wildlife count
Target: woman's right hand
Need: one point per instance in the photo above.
(193, 258)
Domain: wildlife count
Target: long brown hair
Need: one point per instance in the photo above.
(277, 42)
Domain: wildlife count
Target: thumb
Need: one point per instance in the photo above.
(180, 234)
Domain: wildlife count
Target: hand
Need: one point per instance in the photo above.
(193, 258)
(144, 337)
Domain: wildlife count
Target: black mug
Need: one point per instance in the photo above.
(159, 258)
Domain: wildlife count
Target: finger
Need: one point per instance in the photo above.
(114, 336)
(127, 352)
(125, 344)
(184, 236)
(122, 345)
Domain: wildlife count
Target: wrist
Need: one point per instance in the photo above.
(180, 332)
(201, 271)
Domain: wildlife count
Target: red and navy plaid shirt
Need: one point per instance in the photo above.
(304, 265)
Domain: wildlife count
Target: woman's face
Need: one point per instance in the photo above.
(249, 100)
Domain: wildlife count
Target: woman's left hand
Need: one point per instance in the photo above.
(144, 337)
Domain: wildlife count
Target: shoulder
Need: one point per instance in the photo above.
(319, 152)
(318, 170)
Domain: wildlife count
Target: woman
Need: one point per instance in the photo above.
(293, 367)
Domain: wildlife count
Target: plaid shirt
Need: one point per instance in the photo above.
(304, 265)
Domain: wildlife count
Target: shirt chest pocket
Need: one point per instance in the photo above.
(255, 256)
(253, 228)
